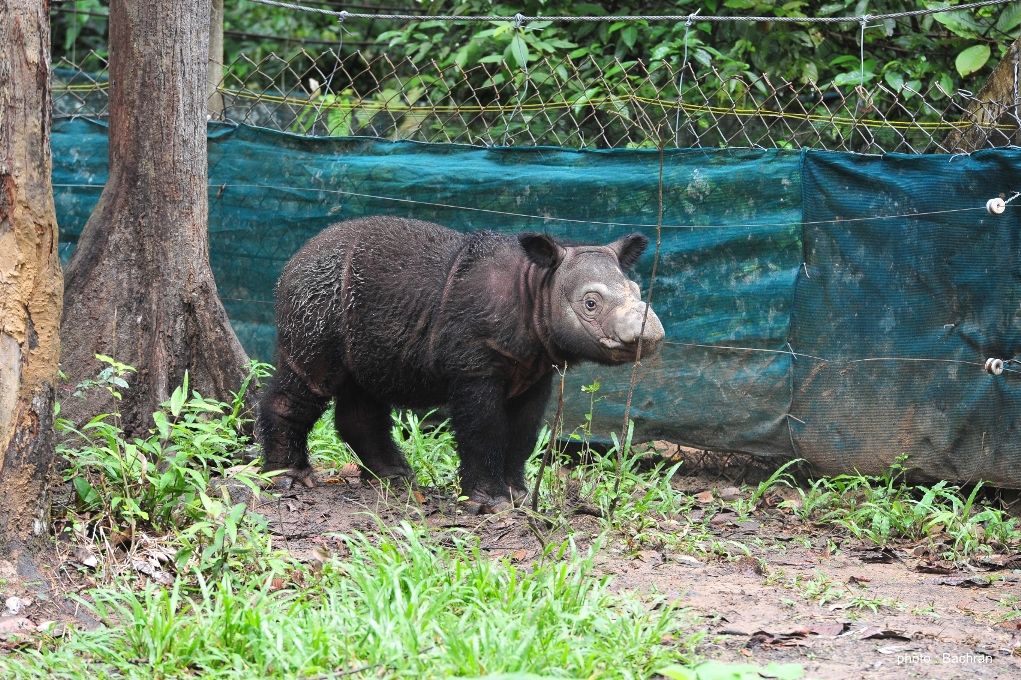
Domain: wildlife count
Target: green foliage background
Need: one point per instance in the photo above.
(954, 50)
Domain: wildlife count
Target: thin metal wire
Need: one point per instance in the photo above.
(518, 21)
(746, 349)
(547, 218)
(680, 80)
(336, 67)
(827, 361)
(638, 17)
(625, 428)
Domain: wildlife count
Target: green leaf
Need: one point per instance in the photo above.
(716, 670)
(675, 672)
(88, 495)
(972, 59)
(894, 80)
(810, 72)
(1010, 18)
(519, 49)
(831, 8)
(960, 23)
(630, 36)
(783, 671)
(852, 78)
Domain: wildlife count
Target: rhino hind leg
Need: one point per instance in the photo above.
(287, 411)
(366, 426)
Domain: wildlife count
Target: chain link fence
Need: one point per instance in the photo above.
(891, 319)
(574, 104)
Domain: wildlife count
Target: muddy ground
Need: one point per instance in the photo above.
(758, 609)
(753, 609)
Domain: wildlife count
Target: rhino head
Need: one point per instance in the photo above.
(595, 311)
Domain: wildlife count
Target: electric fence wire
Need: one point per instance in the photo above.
(637, 17)
(219, 188)
(549, 218)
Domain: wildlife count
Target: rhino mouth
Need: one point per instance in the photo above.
(614, 343)
(626, 351)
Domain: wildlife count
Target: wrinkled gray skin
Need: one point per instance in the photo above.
(386, 312)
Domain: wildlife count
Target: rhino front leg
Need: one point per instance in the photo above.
(478, 415)
(525, 414)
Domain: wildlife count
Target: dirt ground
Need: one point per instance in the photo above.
(934, 625)
(756, 609)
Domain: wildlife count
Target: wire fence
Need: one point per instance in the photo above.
(575, 104)
(763, 369)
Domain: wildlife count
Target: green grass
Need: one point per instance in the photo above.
(886, 508)
(403, 603)
(404, 607)
(429, 448)
(407, 603)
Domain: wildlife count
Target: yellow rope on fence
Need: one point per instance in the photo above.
(618, 103)
(613, 102)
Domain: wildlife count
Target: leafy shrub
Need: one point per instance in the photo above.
(157, 481)
(162, 483)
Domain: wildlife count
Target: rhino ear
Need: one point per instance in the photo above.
(541, 249)
(629, 249)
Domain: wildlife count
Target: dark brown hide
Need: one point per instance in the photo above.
(384, 312)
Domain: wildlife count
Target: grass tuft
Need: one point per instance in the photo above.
(404, 607)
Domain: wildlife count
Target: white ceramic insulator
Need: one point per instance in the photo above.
(994, 366)
(996, 206)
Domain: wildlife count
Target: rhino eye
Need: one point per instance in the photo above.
(590, 304)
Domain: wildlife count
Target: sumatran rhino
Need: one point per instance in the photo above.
(386, 312)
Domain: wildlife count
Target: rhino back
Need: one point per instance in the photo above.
(360, 298)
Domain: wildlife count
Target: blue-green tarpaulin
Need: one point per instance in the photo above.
(797, 322)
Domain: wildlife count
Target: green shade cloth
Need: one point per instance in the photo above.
(732, 274)
(926, 299)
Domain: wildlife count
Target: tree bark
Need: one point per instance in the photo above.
(996, 104)
(214, 100)
(31, 286)
(139, 287)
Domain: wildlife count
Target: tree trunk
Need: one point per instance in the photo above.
(214, 100)
(992, 118)
(139, 287)
(31, 286)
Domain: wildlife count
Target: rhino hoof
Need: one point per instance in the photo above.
(518, 497)
(483, 504)
(391, 474)
(287, 480)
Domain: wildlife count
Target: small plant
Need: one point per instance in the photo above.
(927, 610)
(227, 538)
(776, 479)
(431, 451)
(1012, 606)
(864, 601)
(326, 450)
(154, 481)
(820, 588)
(886, 508)
(591, 390)
(162, 483)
